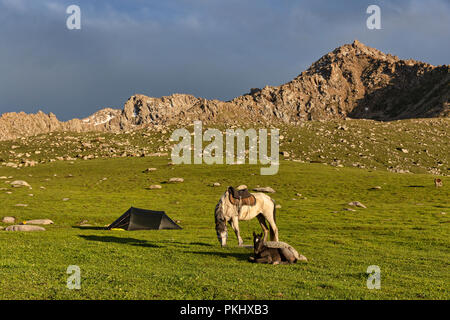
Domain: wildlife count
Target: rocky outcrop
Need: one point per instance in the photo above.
(359, 82)
(353, 81)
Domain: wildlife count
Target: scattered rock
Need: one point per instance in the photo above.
(21, 205)
(39, 221)
(176, 180)
(24, 227)
(349, 209)
(155, 186)
(19, 183)
(8, 220)
(357, 204)
(264, 189)
(403, 150)
(65, 199)
(216, 184)
(149, 170)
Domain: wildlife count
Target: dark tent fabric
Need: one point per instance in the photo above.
(141, 219)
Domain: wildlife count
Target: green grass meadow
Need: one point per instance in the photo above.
(404, 230)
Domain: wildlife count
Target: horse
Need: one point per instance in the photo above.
(273, 252)
(263, 209)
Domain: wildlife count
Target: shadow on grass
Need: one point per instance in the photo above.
(185, 244)
(130, 241)
(239, 256)
(89, 228)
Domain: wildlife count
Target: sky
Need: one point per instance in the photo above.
(216, 49)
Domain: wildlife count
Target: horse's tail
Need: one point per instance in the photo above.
(272, 233)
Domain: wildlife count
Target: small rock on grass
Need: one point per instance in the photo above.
(24, 228)
(155, 186)
(264, 189)
(39, 221)
(176, 180)
(8, 220)
(19, 183)
(357, 204)
(216, 184)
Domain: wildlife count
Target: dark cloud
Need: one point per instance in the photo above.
(209, 48)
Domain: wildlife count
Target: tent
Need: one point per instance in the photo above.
(141, 219)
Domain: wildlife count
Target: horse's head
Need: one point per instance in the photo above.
(221, 224)
(258, 242)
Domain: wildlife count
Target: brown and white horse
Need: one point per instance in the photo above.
(264, 209)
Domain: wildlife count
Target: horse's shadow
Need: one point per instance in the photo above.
(130, 241)
(237, 255)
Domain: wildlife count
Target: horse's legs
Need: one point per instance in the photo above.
(273, 229)
(235, 225)
(263, 260)
(262, 222)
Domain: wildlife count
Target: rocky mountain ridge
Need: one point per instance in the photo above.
(353, 81)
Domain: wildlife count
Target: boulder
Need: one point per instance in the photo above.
(24, 227)
(39, 221)
(19, 183)
(8, 220)
(264, 189)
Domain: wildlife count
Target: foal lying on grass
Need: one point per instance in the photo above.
(273, 252)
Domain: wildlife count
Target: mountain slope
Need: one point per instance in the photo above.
(353, 81)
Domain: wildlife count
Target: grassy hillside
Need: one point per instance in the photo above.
(417, 146)
(404, 230)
